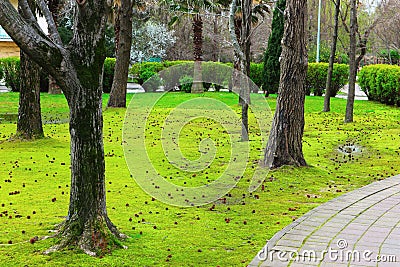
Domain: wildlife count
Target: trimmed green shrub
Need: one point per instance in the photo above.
(256, 73)
(186, 83)
(218, 73)
(108, 74)
(10, 67)
(153, 81)
(316, 78)
(381, 82)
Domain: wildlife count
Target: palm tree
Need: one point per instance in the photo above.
(195, 10)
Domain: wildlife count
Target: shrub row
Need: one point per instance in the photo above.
(381, 83)
(10, 68)
(218, 73)
(315, 83)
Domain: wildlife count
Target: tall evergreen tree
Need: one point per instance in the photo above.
(271, 72)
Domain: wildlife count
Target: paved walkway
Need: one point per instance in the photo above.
(360, 228)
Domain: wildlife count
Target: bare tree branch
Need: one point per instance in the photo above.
(29, 16)
(54, 35)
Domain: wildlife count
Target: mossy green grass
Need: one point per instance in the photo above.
(35, 178)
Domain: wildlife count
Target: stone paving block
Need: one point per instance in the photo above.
(289, 243)
(319, 239)
(332, 264)
(303, 264)
(298, 232)
(310, 222)
(388, 264)
(293, 237)
(353, 231)
(305, 228)
(315, 246)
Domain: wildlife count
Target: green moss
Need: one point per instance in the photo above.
(39, 178)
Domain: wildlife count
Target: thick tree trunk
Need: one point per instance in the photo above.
(352, 62)
(327, 98)
(54, 89)
(29, 125)
(197, 86)
(118, 89)
(87, 225)
(285, 141)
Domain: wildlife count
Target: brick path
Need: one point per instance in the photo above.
(354, 229)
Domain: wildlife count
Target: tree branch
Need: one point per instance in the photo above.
(28, 16)
(235, 42)
(54, 35)
(38, 47)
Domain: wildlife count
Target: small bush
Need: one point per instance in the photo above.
(10, 67)
(256, 73)
(381, 83)
(152, 82)
(108, 74)
(316, 78)
(186, 83)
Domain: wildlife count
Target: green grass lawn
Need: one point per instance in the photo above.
(34, 184)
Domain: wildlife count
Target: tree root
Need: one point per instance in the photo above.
(95, 238)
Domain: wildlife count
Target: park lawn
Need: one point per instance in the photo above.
(34, 184)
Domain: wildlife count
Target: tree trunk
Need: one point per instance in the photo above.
(352, 62)
(197, 86)
(29, 125)
(244, 97)
(236, 56)
(284, 145)
(327, 98)
(54, 89)
(118, 89)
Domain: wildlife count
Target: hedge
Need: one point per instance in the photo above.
(108, 74)
(315, 83)
(9, 71)
(381, 82)
(10, 67)
(218, 73)
(317, 74)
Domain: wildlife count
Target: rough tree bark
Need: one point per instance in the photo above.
(29, 124)
(78, 71)
(54, 7)
(352, 62)
(240, 30)
(124, 42)
(284, 145)
(197, 86)
(327, 98)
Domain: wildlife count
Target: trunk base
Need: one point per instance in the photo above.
(98, 236)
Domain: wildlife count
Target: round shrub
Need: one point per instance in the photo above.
(186, 83)
(317, 74)
(108, 74)
(381, 82)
